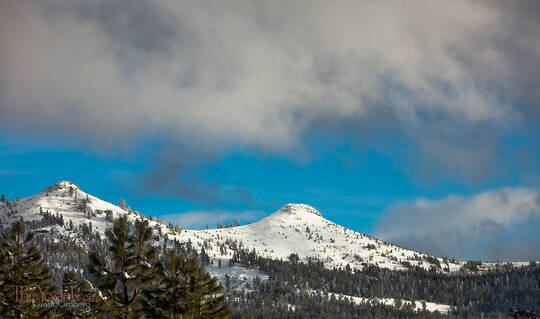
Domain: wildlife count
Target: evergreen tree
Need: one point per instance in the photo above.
(144, 254)
(22, 271)
(122, 203)
(73, 285)
(123, 282)
(169, 296)
(3, 198)
(206, 300)
(4, 264)
(227, 281)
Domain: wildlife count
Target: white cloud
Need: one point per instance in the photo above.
(249, 74)
(451, 77)
(468, 227)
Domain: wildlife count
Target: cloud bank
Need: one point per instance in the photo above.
(211, 78)
(260, 74)
(496, 225)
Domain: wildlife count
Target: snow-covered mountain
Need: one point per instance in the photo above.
(64, 213)
(300, 229)
(294, 229)
(67, 200)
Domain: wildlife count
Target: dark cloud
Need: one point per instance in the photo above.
(451, 152)
(175, 174)
(179, 170)
(493, 225)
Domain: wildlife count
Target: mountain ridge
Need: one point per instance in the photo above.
(62, 214)
(293, 229)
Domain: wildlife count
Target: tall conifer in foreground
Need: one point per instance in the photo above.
(130, 269)
(83, 287)
(183, 289)
(135, 286)
(168, 298)
(21, 265)
(143, 253)
(206, 298)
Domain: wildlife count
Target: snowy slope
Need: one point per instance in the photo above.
(295, 228)
(430, 306)
(301, 229)
(65, 199)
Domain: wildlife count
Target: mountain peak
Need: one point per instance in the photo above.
(62, 185)
(298, 208)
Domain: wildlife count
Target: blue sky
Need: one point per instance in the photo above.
(195, 116)
(353, 187)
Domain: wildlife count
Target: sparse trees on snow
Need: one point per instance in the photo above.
(122, 203)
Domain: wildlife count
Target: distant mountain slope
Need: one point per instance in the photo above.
(300, 229)
(294, 229)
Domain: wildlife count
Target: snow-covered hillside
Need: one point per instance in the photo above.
(67, 200)
(300, 229)
(418, 305)
(63, 212)
(294, 229)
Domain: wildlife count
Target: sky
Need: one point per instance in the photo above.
(416, 122)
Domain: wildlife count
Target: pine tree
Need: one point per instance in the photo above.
(21, 265)
(206, 300)
(73, 285)
(144, 253)
(122, 203)
(131, 268)
(227, 281)
(3, 198)
(5, 261)
(168, 298)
